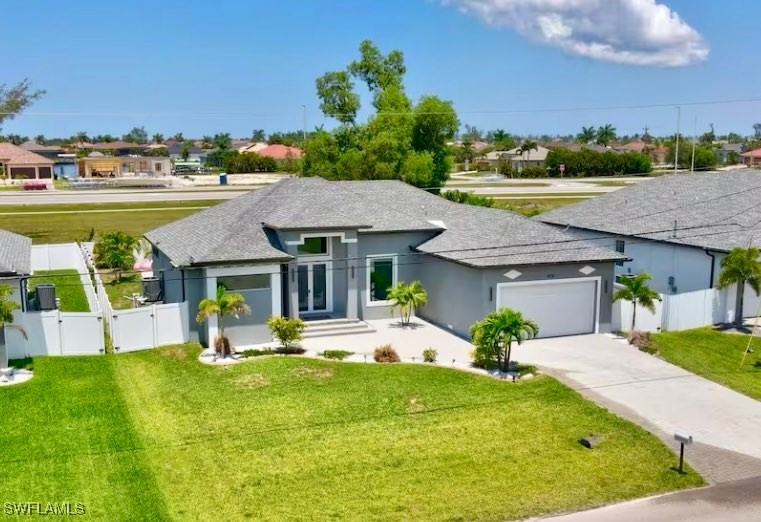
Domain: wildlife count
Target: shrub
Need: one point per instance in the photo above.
(386, 354)
(641, 340)
(257, 353)
(287, 330)
(468, 198)
(290, 350)
(430, 355)
(336, 354)
(114, 250)
(533, 172)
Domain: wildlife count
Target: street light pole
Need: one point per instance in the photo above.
(694, 139)
(676, 151)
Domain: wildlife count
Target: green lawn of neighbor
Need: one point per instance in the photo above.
(461, 183)
(610, 182)
(716, 356)
(68, 288)
(533, 207)
(157, 435)
(119, 291)
(63, 223)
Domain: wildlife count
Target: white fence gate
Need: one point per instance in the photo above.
(56, 333)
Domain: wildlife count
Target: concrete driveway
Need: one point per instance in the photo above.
(661, 397)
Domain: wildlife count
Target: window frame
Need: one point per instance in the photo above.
(368, 273)
(326, 254)
(622, 250)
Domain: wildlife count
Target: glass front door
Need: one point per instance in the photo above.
(314, 287)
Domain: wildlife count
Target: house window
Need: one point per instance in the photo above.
(314, 246)
(158, 167)
(142, 166)
(381, 276)
(245, 282)
(620, 247)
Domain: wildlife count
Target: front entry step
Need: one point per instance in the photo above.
(330, 327)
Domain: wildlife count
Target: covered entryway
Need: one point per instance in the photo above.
(559, 307)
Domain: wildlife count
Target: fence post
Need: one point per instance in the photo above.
(154, 322)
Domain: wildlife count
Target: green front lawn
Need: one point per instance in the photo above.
(68, 288)
(714, 355)
(158, 435)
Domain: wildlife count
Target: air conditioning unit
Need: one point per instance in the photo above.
(46, 297)
(152, 289)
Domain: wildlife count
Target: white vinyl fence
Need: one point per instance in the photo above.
(144, 327)
(686, 310)
(66, 256)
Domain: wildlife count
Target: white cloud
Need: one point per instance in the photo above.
(638, 32)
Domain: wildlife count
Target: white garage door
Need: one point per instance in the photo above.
(561, 307)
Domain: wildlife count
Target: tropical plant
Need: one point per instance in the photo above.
(606, 134)
(158, 138)
(430, 355)
(224, 304)
(636, 291)
(114, 250)
(467, 197)
(407, 297)
(289, 331)
(587, 135)
(7, 307)
(15, 99)
(740, 267)
(493, 337)
(526, 148)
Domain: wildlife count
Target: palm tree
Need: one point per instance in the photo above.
(606, 134)
(526, 148)
(224, 304)
(495, 333)
(407, 298)
(158, 138)
(637, 292)
(587, 135)
(740, 267)
(7, 307)
(40, 139)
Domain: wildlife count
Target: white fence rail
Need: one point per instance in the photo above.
(144, 327)
(685, 311)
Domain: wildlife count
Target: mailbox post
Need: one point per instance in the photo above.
(683, 440)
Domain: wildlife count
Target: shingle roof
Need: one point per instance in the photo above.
(15, 254)
(715, 210)
(241, 229)
(278, 151)
(14, 155)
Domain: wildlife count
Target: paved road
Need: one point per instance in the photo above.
(729, 502)
(554, 187)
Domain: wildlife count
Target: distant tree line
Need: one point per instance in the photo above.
(591, 163)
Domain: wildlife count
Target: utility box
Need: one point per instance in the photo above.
(223, 179)
(46, 297)
(152, 289)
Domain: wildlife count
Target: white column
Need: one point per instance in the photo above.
(277, 294)
(352, 281)
(211, 293)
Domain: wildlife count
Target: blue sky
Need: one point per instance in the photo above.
(203, 67)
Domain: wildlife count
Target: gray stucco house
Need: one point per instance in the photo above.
(330, 249)
(15, 263)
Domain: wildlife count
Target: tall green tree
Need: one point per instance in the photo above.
(15, 99)
(493, 336)
(222, 141)
(525, 149)
(636, 291)
(136, 135)
(401, 140)
(587, 135)
(114, 250)
(258, 135)
(225, 304)
(606, 134)
(158, 138)
(740, 267)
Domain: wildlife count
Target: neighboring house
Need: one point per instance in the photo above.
(253, 147)
(658, 155)
(576, 147)
(64, 163)
(311, 248)
(632, 146)
(280, 152)
(118, 148)
(477, 146)
(752, 157)
(20, 164)
(728, 150)
(533, 158)
(195, 153)
(98, 166)
(15, 263)
(675, 227)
